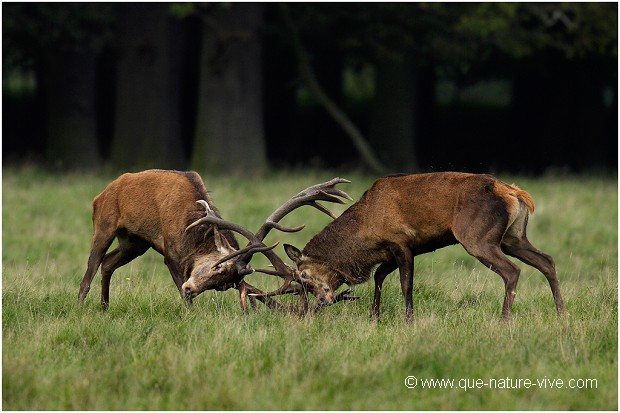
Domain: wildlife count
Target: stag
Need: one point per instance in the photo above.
(402, 216)
(163, 210)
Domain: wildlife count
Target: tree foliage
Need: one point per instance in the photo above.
(30, 30)
(462, 42)
(459, 34)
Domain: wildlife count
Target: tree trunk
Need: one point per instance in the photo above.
(148, 130)
(71, 116)
(393, 118)
(229, 130)
(281, 115)
(308, 76)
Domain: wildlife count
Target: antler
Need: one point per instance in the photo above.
(325, 191)
(342, 296)
(242, 269)
(248, 290)
(309, 196)
(255, 245)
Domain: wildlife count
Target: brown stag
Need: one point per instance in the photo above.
(163, 210)
(402, 216)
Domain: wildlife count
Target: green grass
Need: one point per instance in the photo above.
(148, 352)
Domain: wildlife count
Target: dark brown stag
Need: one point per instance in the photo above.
(400, 217)
(153, 209)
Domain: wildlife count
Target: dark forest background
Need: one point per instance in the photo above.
(520, 87)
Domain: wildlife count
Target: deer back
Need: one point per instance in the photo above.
(422, 209)
(156, 206)
(418, 211)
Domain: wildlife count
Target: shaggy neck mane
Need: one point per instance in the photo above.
(340, 249)
(201, 238)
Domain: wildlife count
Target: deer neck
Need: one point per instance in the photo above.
(341, 247)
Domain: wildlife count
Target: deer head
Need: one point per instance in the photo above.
(230, 270)
(316, 277)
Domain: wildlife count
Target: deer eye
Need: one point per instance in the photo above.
(218, 267)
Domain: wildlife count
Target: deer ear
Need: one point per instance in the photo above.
(293, 253)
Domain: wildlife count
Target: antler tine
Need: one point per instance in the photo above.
(325, 210)
(249, 290)
(282, 228)
(221, 223)
(286, 287)
(325, 191)
(342, 296)
(255, 245)
(252, 248)
(270, 272)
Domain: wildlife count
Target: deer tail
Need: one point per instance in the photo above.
(507, 190)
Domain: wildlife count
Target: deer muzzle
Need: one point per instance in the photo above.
(189, 290)
(325, 298)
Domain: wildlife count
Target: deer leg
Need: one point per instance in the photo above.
(244, 297)
(404, 259)
(128, 249)
(98, 249)
(380, 274)
(492, 257)
(521, 249)
(177, 277)
(175, 272)
(243, 294)
(480, 228)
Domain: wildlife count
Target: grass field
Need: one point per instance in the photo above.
(148, 352)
